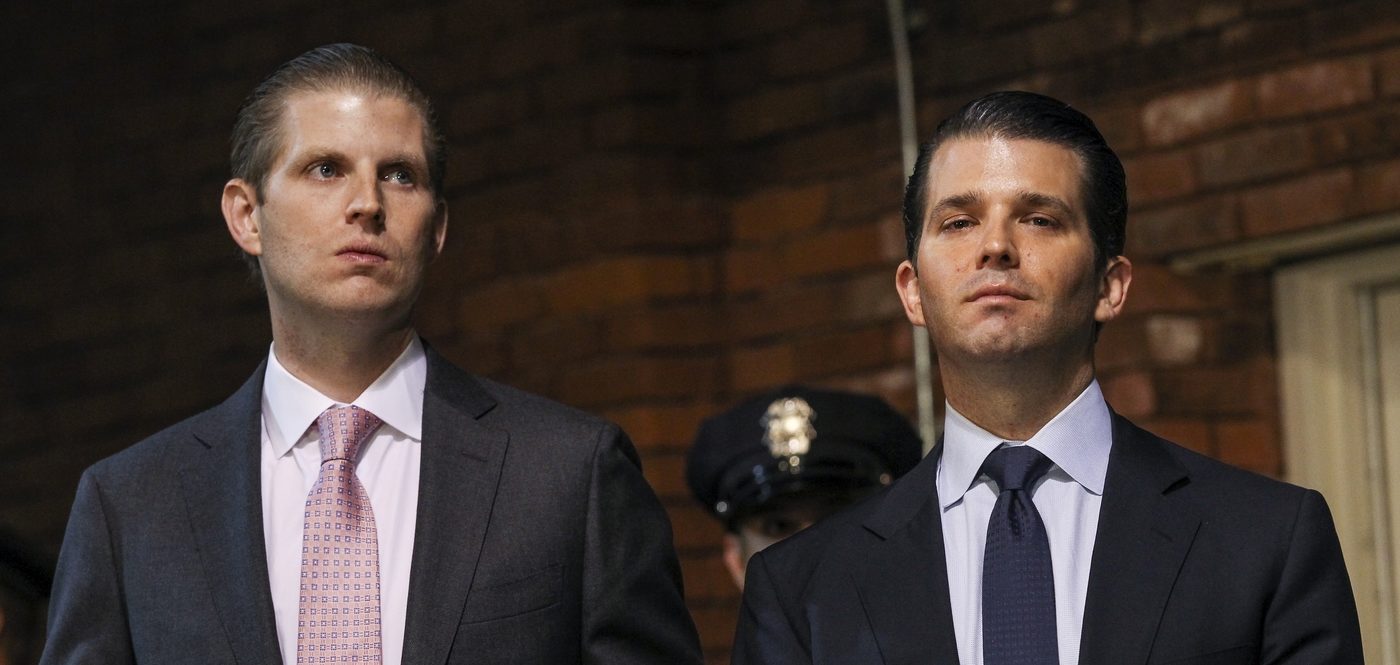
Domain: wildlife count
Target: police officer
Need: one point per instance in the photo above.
(776, 463)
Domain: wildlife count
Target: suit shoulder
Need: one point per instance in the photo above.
(137, 462)
(830, 542)
(520, 403)
(1226, 484)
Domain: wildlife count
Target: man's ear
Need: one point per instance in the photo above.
(906, 282)
(439, 227)
(734, 558)
(240, 204)
(1113, 289)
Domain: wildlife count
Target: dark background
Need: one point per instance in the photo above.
(660, 207)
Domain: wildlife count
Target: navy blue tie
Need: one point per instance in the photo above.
(1018, 583)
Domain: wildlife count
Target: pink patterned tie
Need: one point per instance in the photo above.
(338, 615)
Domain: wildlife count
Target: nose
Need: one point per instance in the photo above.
(366, 203)
(998, 248)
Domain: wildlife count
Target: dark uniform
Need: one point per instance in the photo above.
(774, 464)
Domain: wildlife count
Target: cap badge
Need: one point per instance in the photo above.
(790, 432)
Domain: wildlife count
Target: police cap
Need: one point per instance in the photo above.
(797, 439)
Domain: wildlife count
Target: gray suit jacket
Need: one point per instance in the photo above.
(538, 541)
(1195, 563)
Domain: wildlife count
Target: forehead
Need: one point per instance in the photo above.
(350, 121)
(996, 166)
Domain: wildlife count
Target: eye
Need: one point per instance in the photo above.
(958, 224)
(324, 170)
(1040, 220)
(400, 176)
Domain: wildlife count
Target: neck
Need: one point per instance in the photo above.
(1014, 399)
(339, 360)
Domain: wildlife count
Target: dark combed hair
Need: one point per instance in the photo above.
(257, 137)
(1027, 115)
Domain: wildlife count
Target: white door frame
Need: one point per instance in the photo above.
(1332, 417)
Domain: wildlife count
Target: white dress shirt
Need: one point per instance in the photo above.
(1077, 440)
(388, 468)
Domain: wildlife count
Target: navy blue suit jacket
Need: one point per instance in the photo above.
(1195, 562)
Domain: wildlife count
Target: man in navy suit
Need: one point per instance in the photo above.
(1044, 528)
(472, 523)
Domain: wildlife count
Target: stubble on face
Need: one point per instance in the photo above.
(1005, 261)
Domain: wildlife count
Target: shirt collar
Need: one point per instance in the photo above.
(1077, 440)
(290, 406)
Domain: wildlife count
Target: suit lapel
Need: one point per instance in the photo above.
(461, 467)
(904, 587)
(1146, 527)
(222, 487)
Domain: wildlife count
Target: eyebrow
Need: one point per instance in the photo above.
(1024, 197)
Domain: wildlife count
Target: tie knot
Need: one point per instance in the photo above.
(343, 430)
(1015, 467)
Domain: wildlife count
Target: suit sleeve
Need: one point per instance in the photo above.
(1312, 616)
(87, 617)
(633, 604)
(765, 635)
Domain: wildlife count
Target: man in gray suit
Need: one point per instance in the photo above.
(360, 499)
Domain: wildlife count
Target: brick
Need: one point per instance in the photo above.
(1315, 87)
(1013, 12)
(1354, 24)
(625, 280)
(661, 426)
(670, 26)
(1250, 444)
(502, 303)
(867, 193)
(1175, 339)
(836, 250)
(707, 581)
(1157, 289)
(758, 18)
(755, 368)
(1121, 345)
(977, 59)
(1388, 72)
(1377, 187)
(680, 326)
(665, 472)
(1192, 433)
(771, 111)
(693, 527)
(779, 311)
(830, 151)
(1161, 20)
(1189, 114)
(621, 379)
(870, 297)
(1320, 198)
(485, 110)
(818, 49)
(1208, 391)
(1132, 394)
(1197, 223)
(1158, 177)
(1254, 156)
(1118, 122)
(779, 211)
(845, 351)
(1355, 136)
(553, 341)
(1086, 35)
(751, 269)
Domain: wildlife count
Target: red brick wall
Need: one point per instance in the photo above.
(657, 209)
